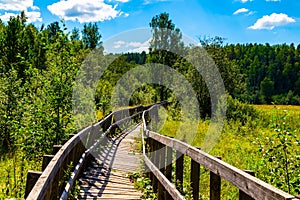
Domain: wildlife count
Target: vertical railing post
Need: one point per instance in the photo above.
(46, 161)
(179, 171)
(195, 178)
(169, 153)
(243, 195)
(155, 162)
(215, 186)
(32, 177)
(161, 166)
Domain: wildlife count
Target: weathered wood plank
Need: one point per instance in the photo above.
(170, 188)
(108, 178)
(46, 161)
(195, 179)
(252, 186)
(32, 177)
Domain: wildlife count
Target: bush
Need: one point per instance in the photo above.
(239, 111)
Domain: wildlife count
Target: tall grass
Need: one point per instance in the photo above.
(240, 145)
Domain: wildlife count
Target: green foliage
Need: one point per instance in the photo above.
(269, 72)
(280, 151)
(37, 72)
(143, 184)
(239, 111)
(91, 36)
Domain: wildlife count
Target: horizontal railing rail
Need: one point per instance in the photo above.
(160, 149)
(54, 182)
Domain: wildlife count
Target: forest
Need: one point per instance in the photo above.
(38, 67)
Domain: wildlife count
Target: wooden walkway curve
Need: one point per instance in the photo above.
(115, 153)
(107, 177)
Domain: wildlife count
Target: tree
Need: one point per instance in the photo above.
(75, 34)
(266, 90)
(53, 29)
(91, 36)
(165, 34)
(166, 46)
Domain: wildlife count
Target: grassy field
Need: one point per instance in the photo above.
(250, 145)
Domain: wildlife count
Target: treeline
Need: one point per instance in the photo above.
(269, 73)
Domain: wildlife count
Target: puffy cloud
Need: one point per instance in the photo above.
(91, 11)
(32, 16)
(14, 6)
(132, 46)
(118, 44)
(241, 10)
(17, 5)
(5, 17)
(269, 22)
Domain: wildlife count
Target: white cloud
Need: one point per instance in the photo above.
(132, 46)
(250, 13)
(122, 1)
(7, 15)
(244, 1)
(139, 47)
(269, 22)
(241, 10)
(91, 11)
(118, 44)
(17, 5)
(32, 16)
(13, 6)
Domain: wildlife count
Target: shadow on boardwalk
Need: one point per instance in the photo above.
(107, 176)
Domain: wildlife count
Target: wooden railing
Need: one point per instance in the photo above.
(55, 182)
(158, 153)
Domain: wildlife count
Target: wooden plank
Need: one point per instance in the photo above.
(169, 187)
(155, 162)
(179, 171)
(195, 179)
(56, 148)
(43, 183)
(243, 195)
(169, 164)
(252, 186)
(215, 186)
(32, 177)
(46, 161)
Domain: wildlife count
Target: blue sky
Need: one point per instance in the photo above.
(239, 21)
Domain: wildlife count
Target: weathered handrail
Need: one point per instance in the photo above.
(160, 150)
(52, 183)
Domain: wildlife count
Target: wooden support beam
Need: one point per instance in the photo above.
(169, 153)
(243, 195)
(56, 148)
(46, 161)
(179, 171)
(32, 177)
(155, 162)
(195, 178)
(215, 185)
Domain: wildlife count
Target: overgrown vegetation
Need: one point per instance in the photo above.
(38, 67)
(268, 144)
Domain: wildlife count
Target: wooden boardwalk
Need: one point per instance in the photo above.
(107, 177)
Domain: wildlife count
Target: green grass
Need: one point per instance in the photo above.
(13, 172)
(239, 143)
